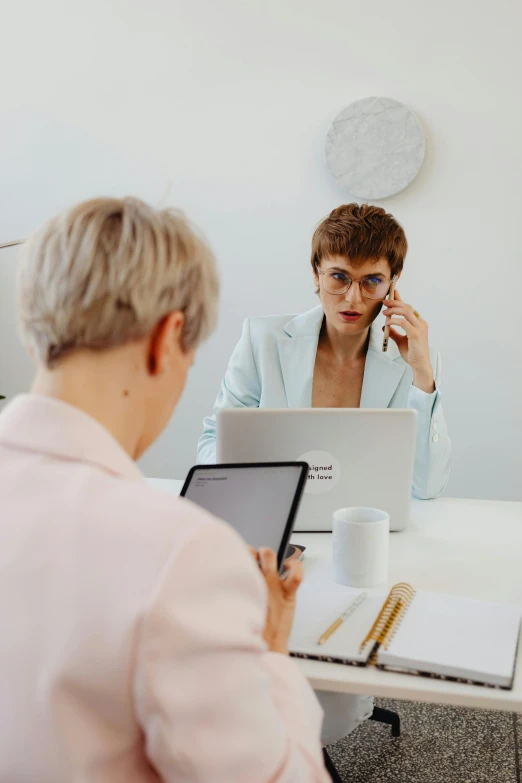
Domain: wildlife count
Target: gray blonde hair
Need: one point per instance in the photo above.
(106, 271)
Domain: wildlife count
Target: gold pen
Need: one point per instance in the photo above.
(340, 620)
(386, 337)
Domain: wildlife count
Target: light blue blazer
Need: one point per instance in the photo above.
(272, 366)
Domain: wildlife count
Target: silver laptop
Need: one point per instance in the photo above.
(356, 456)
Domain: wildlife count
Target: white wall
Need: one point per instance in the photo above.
(224, 106)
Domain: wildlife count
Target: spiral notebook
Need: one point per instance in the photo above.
(422, 633)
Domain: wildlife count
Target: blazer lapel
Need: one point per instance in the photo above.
(382, 374)
(297, 354)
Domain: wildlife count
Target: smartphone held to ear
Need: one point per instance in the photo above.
(386, 339)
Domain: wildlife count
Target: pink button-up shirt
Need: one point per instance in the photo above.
(131, 625)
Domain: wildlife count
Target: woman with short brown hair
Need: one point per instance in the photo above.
(331, 356)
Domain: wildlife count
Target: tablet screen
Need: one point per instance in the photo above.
(259, 501)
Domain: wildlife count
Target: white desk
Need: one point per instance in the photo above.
(172, 486)
(466, 547)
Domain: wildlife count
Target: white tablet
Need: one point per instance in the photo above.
(259, 500)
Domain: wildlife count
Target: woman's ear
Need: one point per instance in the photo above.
(166, 343)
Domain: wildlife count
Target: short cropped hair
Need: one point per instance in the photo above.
(360, 233)
(106, 271)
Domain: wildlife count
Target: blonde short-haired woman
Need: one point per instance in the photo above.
(136, 641)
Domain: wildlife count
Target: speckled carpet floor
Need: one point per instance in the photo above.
(438, 745)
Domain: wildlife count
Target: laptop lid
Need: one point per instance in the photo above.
(357, 456)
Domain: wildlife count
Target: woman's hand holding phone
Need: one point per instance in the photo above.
(413, 345)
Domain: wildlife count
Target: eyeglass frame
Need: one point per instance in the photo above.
(341, 293)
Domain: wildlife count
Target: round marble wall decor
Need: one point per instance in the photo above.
(375, 148)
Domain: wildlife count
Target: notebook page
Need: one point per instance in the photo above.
(456, 637)
(318, 607)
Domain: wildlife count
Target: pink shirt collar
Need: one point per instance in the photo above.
(46, 425)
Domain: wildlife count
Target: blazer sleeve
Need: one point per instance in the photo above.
(433, 447)
(213, 703)
(239, 388)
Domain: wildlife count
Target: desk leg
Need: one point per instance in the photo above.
(387, 716)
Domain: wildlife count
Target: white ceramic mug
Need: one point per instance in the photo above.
(361, 546)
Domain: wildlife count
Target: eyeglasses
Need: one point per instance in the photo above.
(371, 286)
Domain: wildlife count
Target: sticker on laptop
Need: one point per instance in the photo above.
(324, 472)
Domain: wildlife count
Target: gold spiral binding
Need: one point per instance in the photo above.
(389, 618)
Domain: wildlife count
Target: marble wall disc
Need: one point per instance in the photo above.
(375, 148)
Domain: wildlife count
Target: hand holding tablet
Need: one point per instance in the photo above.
(281, 598)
